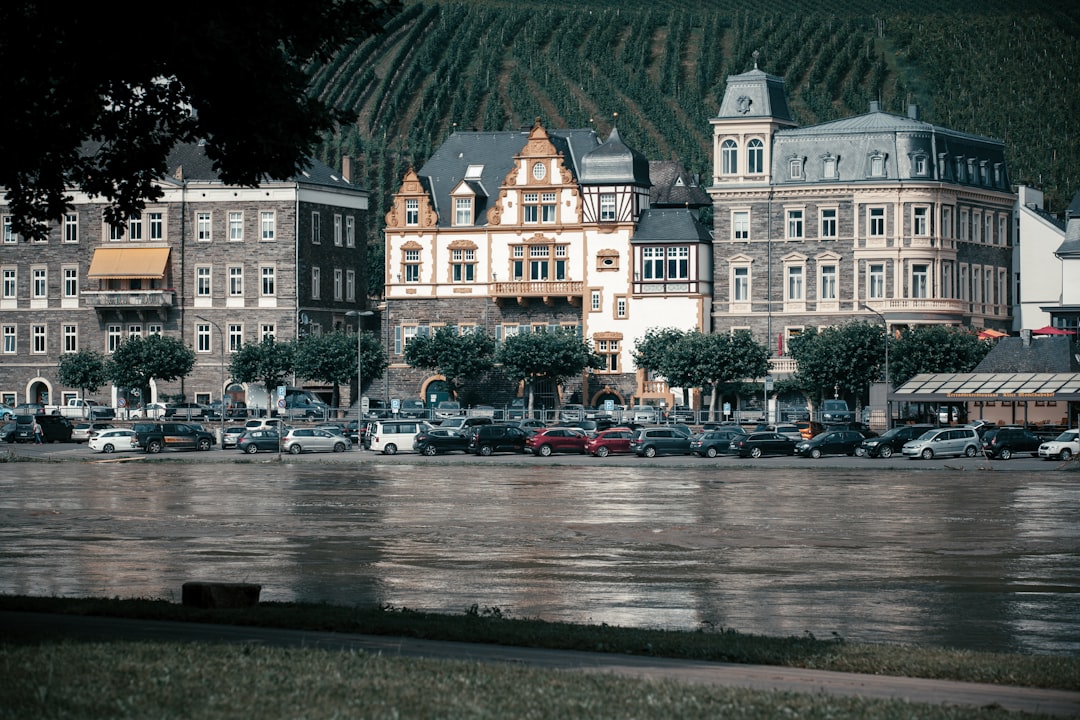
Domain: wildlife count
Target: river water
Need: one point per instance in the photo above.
(984, 561)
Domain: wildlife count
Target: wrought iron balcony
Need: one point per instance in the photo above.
(548, 291)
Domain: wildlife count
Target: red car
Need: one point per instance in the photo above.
(606, 442)
(557, 439)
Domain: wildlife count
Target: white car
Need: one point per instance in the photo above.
(114, 440)
(85, 430)
(1063, 447)
(153, 411)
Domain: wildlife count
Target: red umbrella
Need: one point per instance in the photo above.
(1050, 330)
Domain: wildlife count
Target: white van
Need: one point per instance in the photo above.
(390, 436)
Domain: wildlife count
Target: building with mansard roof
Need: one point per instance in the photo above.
(212, 264)
(521, 231)
(877, 216)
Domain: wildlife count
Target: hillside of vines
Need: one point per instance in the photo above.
(995, 68)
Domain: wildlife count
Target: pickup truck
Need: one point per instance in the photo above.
(80, 408)
(836, 411)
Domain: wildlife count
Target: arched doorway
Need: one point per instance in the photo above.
(604, 396)
(39, 391)
(435, 391)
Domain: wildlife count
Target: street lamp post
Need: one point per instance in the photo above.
(221, 397)
(888, 408)
(359, 369)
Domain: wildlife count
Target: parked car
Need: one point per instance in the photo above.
(155, 437)
(1005, 442)
(609, 442)
(185, 411)
(81, 432)
(652, 441)
(301, 406)
(809, 428)
(412, 409)
(682, 414)
(830, 442)
(529, 425)
(113, 440)
(447, 409)
(231, 434)
(391, 436)
(299, 440)
(571, 413)
(488, 439)
(891, 441)
(253, 440)
(943, 442)
(1063, 447)
(836, 411)
(7, 432)
(646, 414)
(759, 444)
(54, 428)
(787, 429)
(556, 440)
(859, 427)
(433, 441)
(150, 411)
(711, 443)
(6, 412)
(463, 424)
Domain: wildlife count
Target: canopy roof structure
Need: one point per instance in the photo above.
(946, 387)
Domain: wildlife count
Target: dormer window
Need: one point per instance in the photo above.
(474, 172)
(877, 164)
(412, 211)
(984, 173)
(960, 169)
(920, 165)
(795, 165)
(828, 166)
(463, 211)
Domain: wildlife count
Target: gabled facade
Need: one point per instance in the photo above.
(522, 231)
(814, 225)
(212, 264)
(1066, 313)
(1037, 271)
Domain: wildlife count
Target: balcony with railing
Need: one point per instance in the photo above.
(144, 303)
(547, 291)
(783, 366)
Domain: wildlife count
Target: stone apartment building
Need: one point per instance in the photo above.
(876, 217)
(215, 265)
(521, 231)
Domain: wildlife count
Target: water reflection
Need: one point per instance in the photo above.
(962, 559)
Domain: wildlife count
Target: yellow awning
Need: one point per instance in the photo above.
(126, 263)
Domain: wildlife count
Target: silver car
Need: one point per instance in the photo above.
(300, 440)
(944, 442)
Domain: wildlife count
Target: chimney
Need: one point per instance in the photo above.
(1025, 338)
(913, 111)
(346, 168)
(875, 106)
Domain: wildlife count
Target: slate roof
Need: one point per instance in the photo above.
(493, 153)
(614, 163)
(670, 224)
(1049, 354)
(1071, 246)
(189, 162)
(755, 94)
(673, 186)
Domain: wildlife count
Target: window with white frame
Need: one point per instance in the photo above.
(203, 227)
(755, 157)
(412, 266)
(877, 165)
(9, 335)
(236, 281)
(827, 288)
(946, 222)
(350, 285)
(828, 167)
(38, 339)
(678, 263)
(740, 284)
(39, 283)
(412, 211)
(876, 221)
(608, 350)
(652, 263)
(316, 283)
(988, 232)
(267, 226)
(965, 287)
(316, 228)
(135, 228)
(976, 225)
(794, 290)
(71, 227)
(153, 329)
(1003, 231)
(547, 208)
(463, 265)
(236, 226)
(517, 263)
(621, 306)
(607, 207)
(920, 221)
(463, 211)
(963, 234)
(236, 337)
(156, 221)
(116, 232)
(875, 281)
(947, 280)
(795, 224)
(113, 337)
(795, 168)
(539, 262)
(267, 331)
(920, 280)
(339, 284)
(134, 331)
(339, 238)
(729, 157)
(530, 208)
(202, 337)
(350, 231)
(71, 282)
(202, 281)
(269, 279)
(827, 225)
(9, 230)
(10, 283)
(740, 225)
(595, 305)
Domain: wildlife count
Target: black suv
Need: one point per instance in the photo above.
(891, 441)
(1005, 442)
(155, 437)
(488, 439)
(54, 428)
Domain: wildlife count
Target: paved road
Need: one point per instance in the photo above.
(35, 627)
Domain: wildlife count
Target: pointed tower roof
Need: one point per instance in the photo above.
(755, 94)
(614, 163)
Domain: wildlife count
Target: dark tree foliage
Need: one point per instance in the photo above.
(269, 363)
(96, 96)
(455, 355)
(138, 360)
(557, 355)
(934, 349)
(841, 359)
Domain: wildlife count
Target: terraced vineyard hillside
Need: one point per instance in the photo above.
(997, 68)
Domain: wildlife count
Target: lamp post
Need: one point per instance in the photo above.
(359, 369)
(888, 409)
(221, 397)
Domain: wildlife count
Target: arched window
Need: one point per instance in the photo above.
(729, 152)
(755, 157)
